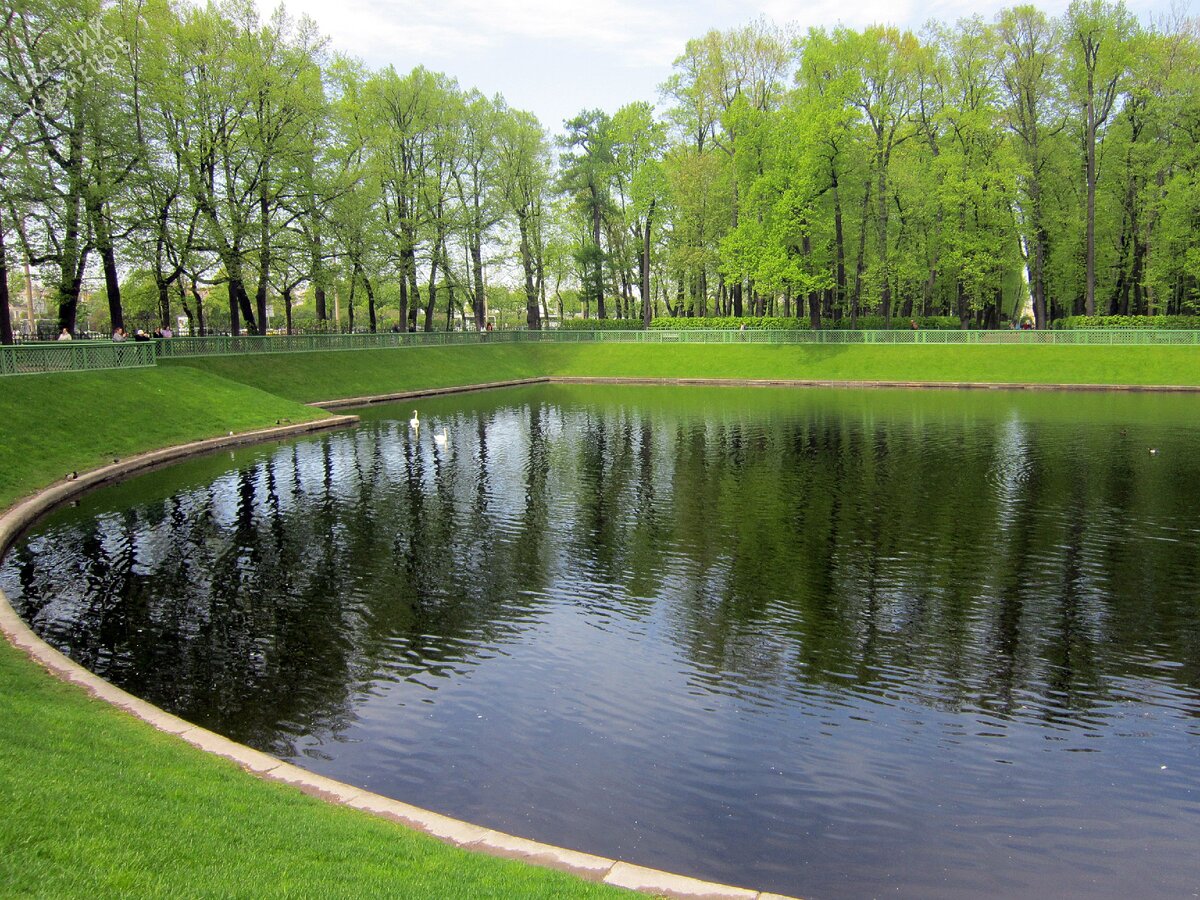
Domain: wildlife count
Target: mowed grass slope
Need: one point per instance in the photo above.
(53, 424)
(96, 804)
(310, 377)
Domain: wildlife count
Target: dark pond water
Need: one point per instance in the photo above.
(832, 643)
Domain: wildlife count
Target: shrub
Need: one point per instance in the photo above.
(900, 323)
(771, 323)
(1184, 323)
(600, 324)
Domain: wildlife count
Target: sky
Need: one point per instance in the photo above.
(557, 58)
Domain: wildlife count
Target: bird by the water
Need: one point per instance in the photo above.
(414, 423)
(441, 439)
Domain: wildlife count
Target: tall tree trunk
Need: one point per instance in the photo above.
(402, 308)
(318, 274)
(860, 265)
(186, 307)
(372, 318)
(1041, 244)
(235, 320)
(601, 312)
(199, 308)
(73, 255)
(431, 296)
(1138, 305)
(414, 297)
(1090, 151)
(6, 332)
(885, 283)
(647, 310)
(70, 268)
(112, 284)
(162, 282)
(532, 312)
(287, 309)
(112, 281)
(479, 302)
(264, 257)
(839, 240)
(164, 300)
(238, 286)
(1118, 300)
(814, 297)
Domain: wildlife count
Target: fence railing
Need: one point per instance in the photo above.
(88, 355)
(226, 345)
(75, 356)
(231, 346)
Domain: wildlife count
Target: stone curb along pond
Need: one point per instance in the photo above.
(20, 517)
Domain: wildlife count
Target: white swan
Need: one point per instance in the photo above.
(441, 439)
(414, 423)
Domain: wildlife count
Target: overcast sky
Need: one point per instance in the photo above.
(556, 58)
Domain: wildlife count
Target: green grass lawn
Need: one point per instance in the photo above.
(354, 373)
(96, 804)
(53, 424)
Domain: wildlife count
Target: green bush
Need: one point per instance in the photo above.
(1183, 323)
(899, 323)
(600, 324)
(772, 323)
(865, 323)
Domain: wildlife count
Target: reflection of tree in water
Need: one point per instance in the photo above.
(957, 561)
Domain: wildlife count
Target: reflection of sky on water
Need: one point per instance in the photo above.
(827, 643)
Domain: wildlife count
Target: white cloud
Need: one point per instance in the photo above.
(555, 57)
(627, 33)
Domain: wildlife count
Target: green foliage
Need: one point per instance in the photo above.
(1178, 323)
(879, 170)
(769, 323)
(601, 324)
(779, 323)
(928, 323)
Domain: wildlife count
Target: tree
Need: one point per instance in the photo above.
(478, 195)
(62, 103)
(523, 171)
(586, 167)
(637, 147)
(1028, 45)
(1099, 36)
(885, 95)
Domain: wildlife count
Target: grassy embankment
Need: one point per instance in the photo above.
(308, 377)
(95, 804)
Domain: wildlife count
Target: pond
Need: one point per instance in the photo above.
(833, 643)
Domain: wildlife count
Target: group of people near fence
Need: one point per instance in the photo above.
(120, 335)
(139, 335)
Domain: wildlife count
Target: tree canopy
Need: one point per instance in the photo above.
(210, 162)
